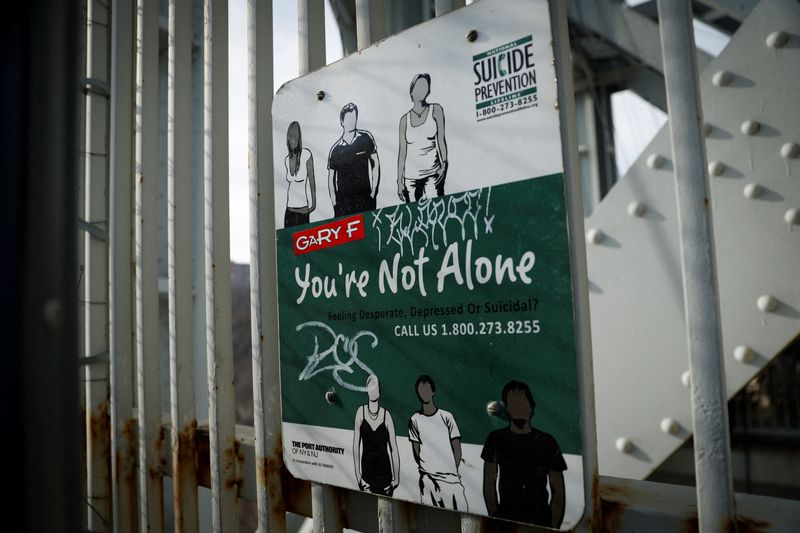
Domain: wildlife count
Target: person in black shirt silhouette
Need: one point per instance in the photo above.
(524, 459)
(375, 455)
(354, 170)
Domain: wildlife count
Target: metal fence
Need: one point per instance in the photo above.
(155, 163)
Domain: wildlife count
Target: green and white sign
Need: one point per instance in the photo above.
(424, 271)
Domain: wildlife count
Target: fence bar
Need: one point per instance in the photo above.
(715, 497)
(578, 268)
(442, 7)
(263, 296)
(148, 357)
(123, 445)
(219, 346)
(179, 258)
(95, 308)
(363, 24)
(311, 35)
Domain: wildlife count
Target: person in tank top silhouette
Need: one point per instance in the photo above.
(375, 455)
(301, 193)
(422, 158)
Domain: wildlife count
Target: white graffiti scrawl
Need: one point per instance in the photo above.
(425, 223)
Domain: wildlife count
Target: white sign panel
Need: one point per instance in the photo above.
(423, 271)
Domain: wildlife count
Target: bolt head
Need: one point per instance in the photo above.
(670, 426)
(331, 396)
(706, 129)
(715, 168)
(636, 209)
(744, 354)
(623, 445)
(721, 78)
(655, 161)
(686, 379)
(790, 150)
(776, 39)
(495, 408)
(752, 190)
(792, 216)
(750, 127)
(321, 95)
(766, 303)
(472, 36)
(595, 236)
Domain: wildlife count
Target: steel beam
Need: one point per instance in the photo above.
(631, 32)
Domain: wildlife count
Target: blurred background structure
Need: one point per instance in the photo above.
(139, 260)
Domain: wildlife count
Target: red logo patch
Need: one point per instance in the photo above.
(328, 235)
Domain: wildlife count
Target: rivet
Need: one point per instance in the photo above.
(321, 95)
(790, 150)
(52, 314)
(743, 354)
(750, 127)
(767, 303)
(715, 168)
(330, 396)
(721, 78)
(670, 426)
(777, 39)
(686, 379)
(624, 445)
(494, 408)
(752, 190)
(792, 216)
(655, 161)
(636, 209)
(706, 129)
(595, 236)
(472, 35)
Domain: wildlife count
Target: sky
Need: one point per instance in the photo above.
(635, 120)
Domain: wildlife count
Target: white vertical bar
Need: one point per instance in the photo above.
(577, 252)
(363, 24)
(98, 445)
(263, 297)
(179, 257)
(310, 35)
(148, 357)
(443, 7)
(219, 347)
(715, 497)
(123, 445)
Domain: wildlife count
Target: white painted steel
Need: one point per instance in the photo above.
(310, 35)
(363, 24)
(635, 286)
(148, 357)
(219, 348)
(95, 280)
(310, 49)
(179, 259)
(121, 332)
(263, 283)
(442, 7)
(577, 252)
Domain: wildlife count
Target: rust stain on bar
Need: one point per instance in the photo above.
(126, 466)
(184, 465)
(233, 455)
